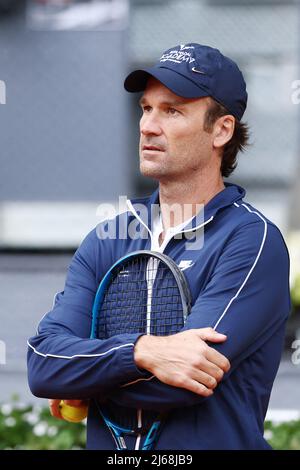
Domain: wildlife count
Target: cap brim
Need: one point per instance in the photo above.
(136, 81)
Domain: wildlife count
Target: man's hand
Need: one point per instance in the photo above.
(184, 360)
(54, 406)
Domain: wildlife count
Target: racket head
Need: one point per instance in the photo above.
(143, 292)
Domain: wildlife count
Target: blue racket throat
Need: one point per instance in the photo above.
(143, 292)
(152, 436)
(118, 433)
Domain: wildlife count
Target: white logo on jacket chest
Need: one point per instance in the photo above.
(185, 263)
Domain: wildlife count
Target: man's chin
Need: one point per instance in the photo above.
(154, 173)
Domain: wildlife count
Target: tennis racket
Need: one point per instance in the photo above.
(143, 292)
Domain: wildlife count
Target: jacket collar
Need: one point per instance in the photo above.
(145, 209)
(230, 194)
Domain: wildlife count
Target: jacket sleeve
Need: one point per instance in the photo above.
(247, 298)
(62, 361)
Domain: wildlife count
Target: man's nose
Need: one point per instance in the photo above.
(150, 124)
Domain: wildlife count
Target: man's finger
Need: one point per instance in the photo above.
(217, 359)
(209, 334)
(54, 408)
(212, 370)
(206, 379)
(196, 387)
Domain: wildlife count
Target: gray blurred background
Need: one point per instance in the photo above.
(69, 136)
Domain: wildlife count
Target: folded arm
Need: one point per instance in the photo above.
(62, 360)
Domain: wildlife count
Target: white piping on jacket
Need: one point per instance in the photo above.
(131, 208)
(78, 355)
(253, 266)
(196, 228)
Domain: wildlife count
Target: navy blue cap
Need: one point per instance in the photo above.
(193, 71)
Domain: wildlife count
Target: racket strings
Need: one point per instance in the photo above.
(143, 297)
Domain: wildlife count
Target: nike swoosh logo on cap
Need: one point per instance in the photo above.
(198, 71)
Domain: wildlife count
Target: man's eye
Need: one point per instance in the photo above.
(146, 109)
(172, 111)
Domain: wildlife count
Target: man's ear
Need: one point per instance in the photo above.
(223, 130)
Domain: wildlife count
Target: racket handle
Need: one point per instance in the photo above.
(73, 414)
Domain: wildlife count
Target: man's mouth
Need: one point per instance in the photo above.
(152, 147)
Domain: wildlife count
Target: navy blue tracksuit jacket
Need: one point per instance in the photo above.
(239, 284)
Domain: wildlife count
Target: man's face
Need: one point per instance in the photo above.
(173, 144)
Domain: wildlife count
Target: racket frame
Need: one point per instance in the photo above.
(118, 432)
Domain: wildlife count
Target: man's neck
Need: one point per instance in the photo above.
(180, 201)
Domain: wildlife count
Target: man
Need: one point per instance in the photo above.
(213, 379)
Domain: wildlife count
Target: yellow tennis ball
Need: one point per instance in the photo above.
(74, 414)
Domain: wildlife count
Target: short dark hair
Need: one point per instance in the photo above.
(238, 141)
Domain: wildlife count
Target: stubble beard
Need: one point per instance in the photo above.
(155, 170)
